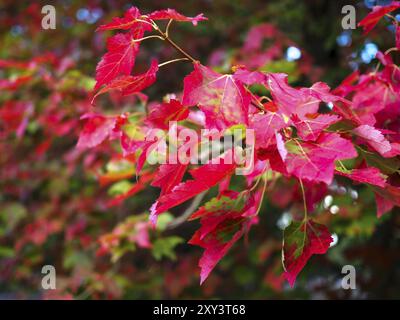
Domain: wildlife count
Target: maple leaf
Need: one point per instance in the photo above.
(14, 117)
(386, 198)
(120, 57)
(374, 138)
(280, 144)
(168, 176)
(314, 161)
(286, 97)
(13, 64)
(378, 12)
(224, 220)
(394, 151)
(249, 77)
(300, 101)
(302, 239)
(96, 129)
(390, 78)
(265, 126)
(126, 22)
(370, 98)
(147, 147)
(13, 84)
(369, 175)
(204, 178)
(310, 126)
(131, 84)
(162, 114)
(383, 205)
(171, 14)
(388, 166)
(223, 99)
(346, 86)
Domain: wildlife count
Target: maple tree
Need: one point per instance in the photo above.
(293, 138)
(306, 139)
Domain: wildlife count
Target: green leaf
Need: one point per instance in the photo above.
(224, 203)
(163, 221)
(302, 239)
(386, 165)
(120, 187)
(284, 66)
(120, 166)
(6, 252)
(164, 247)
(73, 258)
(10, 216)
(118, 252)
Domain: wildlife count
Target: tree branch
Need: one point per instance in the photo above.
(188, 212)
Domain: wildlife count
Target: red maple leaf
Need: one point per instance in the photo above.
(315, 161)
(204, 178)
(162, 114)
(300, 101)
(171, 14)
(310, 126)
(120, 58)
(168, 176)
(369, 175)
(126, 22)
(131, 84)
(386, 198)
(374, 138)
(223, 99)
(96, 129)
(265, 126)
(224, 220)
(302, 239)
(378, 12)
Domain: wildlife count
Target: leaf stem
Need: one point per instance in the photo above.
(171, 61)
(263, 192)
(342, 165)
(166, 37)
(188, 212)
(304, 199)
(391, 50)
(168, 26)
(255, 101)
(265, 98)
(152, 23)
(392, 18)
(148, 37)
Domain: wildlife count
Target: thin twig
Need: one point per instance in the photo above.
(255, 101)
(173, 44)
(392, 18)
(391, 50)
(265, 98)
(168, 26)
(148, 37)
(263, 192)
(304, 199)
(152, 23)
(188, 212)
(171, 61)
